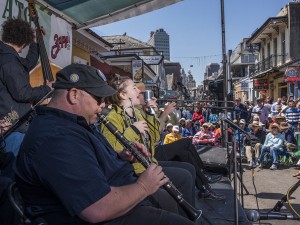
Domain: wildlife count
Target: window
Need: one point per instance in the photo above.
(268, 56)
(283, 47)
(275, 51)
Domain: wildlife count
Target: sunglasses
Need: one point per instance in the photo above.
(99, 100)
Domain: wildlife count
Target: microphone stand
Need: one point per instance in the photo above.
(279, 204)
(235, 175)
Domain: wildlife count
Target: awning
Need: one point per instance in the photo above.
(264, 73)
(92, 13)
(265, 31)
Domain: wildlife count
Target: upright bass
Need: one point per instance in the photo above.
(37, 78)
(45, 66)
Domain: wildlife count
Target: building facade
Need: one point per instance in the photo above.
(160, 40)
(276, 73)
(241, 64)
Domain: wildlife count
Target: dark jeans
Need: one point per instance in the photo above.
(182, 175)
(148, 215)
(183, 150)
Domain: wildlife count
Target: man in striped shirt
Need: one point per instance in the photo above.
(292, 115)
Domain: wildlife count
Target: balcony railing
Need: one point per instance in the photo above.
(272, 61)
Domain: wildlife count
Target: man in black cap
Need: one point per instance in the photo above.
(239, 110)
(68, 174)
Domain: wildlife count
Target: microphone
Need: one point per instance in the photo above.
(148, 94)
(254, 216)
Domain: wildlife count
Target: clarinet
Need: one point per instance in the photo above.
(192, 212)
(144, 138)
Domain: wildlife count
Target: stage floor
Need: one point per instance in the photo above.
(221, 212)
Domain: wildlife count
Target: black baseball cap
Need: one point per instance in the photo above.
(83, 77)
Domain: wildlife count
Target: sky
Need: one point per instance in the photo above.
(194, 27)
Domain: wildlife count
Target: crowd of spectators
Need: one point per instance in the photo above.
(273, 128)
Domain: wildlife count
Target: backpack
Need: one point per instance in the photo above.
(267, 160)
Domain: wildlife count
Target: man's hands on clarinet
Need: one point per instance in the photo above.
(152, 179)
(126, 155)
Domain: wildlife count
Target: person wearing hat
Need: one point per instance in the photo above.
(239, 110)
(169, 127)
(289, 138)
(253, 142)
(276, 119)
(168, 130)
(261, 111)
(274, 144)
(239, 136)
(173, 136)
(205, 136)
(68, 170)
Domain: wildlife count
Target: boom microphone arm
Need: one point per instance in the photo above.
(236, 127)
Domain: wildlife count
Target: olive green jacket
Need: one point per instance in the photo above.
(117, 117)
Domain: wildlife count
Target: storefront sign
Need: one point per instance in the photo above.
(152, 59)
(244, 86)
(137, 70)
(260, 84)
(292, 74)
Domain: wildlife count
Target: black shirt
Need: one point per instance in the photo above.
(63, 168)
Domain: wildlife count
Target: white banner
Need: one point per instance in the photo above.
(58, 39)
(60, 48)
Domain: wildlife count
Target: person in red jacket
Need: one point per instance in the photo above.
(197, 116)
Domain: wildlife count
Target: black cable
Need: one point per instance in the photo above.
(253, 182)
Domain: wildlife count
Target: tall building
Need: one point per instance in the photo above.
(210, 69)
(161, 41)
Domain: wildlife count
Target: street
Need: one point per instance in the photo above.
(271, 187)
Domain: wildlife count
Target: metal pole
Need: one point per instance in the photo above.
(224, 61)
